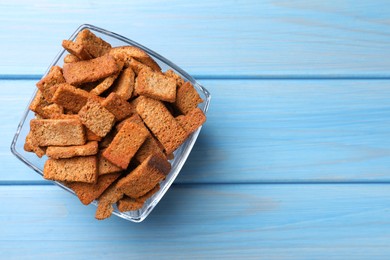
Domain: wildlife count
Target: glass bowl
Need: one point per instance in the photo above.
(180, 155)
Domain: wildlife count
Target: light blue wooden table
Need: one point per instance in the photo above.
(293, 162)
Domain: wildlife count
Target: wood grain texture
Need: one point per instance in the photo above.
(204, 221)
(212, 37)
(265, 131)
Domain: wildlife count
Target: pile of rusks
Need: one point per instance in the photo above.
(109, 122)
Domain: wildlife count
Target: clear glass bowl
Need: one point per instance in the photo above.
(180, 155)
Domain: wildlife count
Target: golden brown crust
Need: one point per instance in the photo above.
(91, 136)
(69, 58)
(95, 46)
(125, 144)
(137, 66)
(79, 72)
(43, 108)
(187, 98)
(133, 118)
(107, 139)
(170, 73)
(76, 169)
(118, 106)
(72, 98)
(76, 49)
(107, 82)
(110, 196)
(96, 118)
(88, 192)
(161, 123)
(125, 53)
(192, 120)
(150, 145)
(156, 85)
(145, 177)
(105, 166)
(48, 84)
(31, 145)
(58, 132)
(124, 85)
(128, 204)
(104, 85)
(59, 152)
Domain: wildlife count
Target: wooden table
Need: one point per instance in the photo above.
(293, 162)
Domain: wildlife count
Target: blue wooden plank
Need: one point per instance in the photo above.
(199, 221)
(212, 37)
(265, 131)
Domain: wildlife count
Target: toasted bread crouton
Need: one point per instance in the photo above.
(133, 118)
(118, 106)
(127, 204)
(124, 85)
(69, 58)
(171, 74)
(76, 49)
(125, 144)
(91, 136)
(60, 152)
(145, 177)
(137, 66)
(76, 169)
(187, 98)
(48, 84)
(96, 118)
(38, 103)
(106, 141)
(105, 166)
(161, 123)
(43, 108)
(104, 85)
(150, 145)
(110, 196)
(72, 98)
(126, 53)
(31, 145)
(156, 85)
(192, 120)
(79, 72)
(53, 110)
(58, 132)
(107, 82)
(94, 45)
(88, 192)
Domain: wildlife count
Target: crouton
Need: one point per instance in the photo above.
(125, 144)
(59, 152)
(94, 45)
(161, 123)
(96, 118)
(58, 132)
(156, 85)
(118, 106)
(49, 83)
(187, 98)
(72, 98)
(76, 169)
(79, 72)
(145, 177)
(88, 192)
